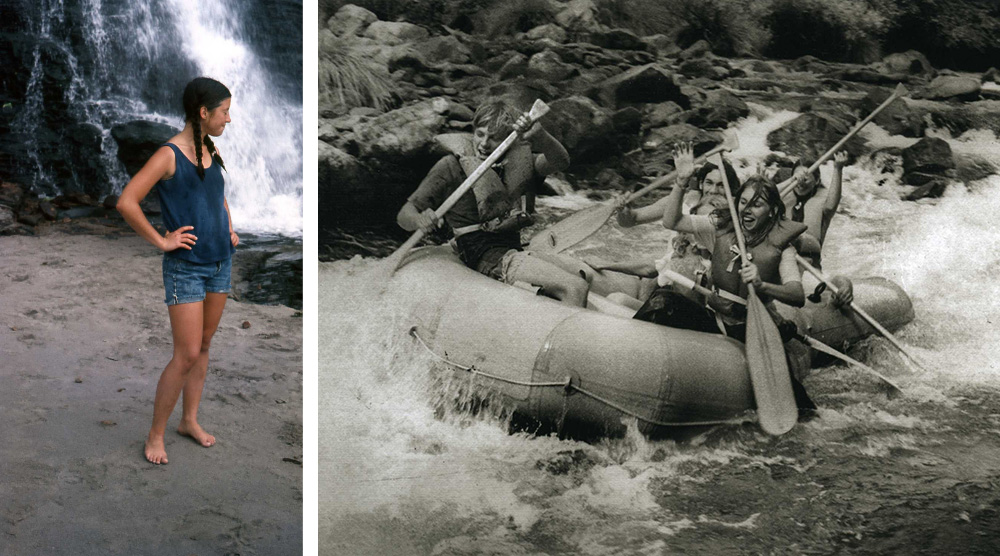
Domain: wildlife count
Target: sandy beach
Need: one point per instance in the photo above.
(84, 337)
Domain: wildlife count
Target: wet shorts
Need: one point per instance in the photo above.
(187, 282)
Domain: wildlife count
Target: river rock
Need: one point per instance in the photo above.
(910, 62)
(953, 87)
(702, 67)
(585, 128)
(616, 39)
(7, 219)
(548, 66)
(716, 108)
(515, 66)
(991, 74)
(663, 114)
(811, 134)
(579, 15)
(138, 140)
(697, 50)
(47, 210)
(350, 20)
(404, 132)
(11, 195)
(932, 188)
(444, 48)
(663, 46)
(644, 84)
(667, 137)
(395, 32)
(928, 155)
(899, 118)
(549, 31)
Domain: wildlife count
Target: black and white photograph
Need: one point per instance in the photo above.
(658, 276)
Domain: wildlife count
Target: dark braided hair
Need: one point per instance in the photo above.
(207, 92)
(764, 188)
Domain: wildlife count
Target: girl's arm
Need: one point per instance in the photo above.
(636, 267)
(789, 291)
(158, 167)
(232, 235)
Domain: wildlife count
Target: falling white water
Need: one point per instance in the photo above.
(262, 146)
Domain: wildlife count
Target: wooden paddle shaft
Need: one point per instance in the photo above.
(900, 90)
(687, 283)
(820, 346)
(860, 312)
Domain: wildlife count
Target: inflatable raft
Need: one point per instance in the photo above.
(583, 373)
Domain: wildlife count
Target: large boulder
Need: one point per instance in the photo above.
(645, 84)
(549, 31)
(586, 129)
(548, 66)
(444, 48)
(899, 118)
(929, 155)
(910, 62)
(716, 108)
(405, 132)
(812, 134)
(579, 15)
(350, 20)
(616, 39)
(953, 87)
(393, 33)
(704, 67)
(138, 140)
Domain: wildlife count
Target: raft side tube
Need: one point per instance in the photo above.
(659, 374)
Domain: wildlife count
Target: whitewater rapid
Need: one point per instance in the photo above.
(398, 476)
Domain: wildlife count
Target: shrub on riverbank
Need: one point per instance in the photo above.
(346, 79)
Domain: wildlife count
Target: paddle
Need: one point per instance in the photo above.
(772, 385)
(860, 312)
(395, 260)
(685, 282)
(788, 184)
(582, 224)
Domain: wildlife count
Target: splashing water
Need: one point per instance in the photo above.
(401, 473)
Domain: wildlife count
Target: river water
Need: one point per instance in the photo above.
(916, 473)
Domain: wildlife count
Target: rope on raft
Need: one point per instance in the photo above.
(569, 387)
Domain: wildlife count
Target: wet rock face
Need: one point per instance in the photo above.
(350, 20)
(952, 87)
(812, 134)
(644, 84)
(138, 140)
(899, 118)
(929, 155)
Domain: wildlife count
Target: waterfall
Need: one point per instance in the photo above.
(95, 64)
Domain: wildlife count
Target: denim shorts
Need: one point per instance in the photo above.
(187, 282)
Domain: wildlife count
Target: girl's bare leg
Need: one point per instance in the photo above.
(212, 314)
(186, 323)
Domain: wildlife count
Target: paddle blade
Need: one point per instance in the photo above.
(900, 90)
(772, 385)
(573, 229)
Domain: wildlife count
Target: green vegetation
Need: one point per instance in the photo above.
(347, 80)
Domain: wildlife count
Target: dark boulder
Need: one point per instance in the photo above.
(812, 134)
(644, 84)
(899, 118)
(663, 138)
(616, 39)
(138, 140)
(929, 155)
(906, 63)
(716, 108)
(586, 129)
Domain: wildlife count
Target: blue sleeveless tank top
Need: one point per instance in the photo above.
(187, 200)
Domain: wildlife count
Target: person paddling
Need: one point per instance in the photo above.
(198, 249)
(486, 221)
(815, 205)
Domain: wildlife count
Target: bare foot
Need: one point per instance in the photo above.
(155, 451)
(195, 431)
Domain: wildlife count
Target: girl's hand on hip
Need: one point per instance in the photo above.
(179, 239)
(234, 238)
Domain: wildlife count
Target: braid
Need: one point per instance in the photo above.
(216, 157)
(208, 93)
(196, 125)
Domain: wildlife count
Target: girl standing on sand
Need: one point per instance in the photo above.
(198, 249)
